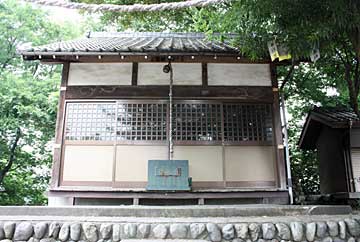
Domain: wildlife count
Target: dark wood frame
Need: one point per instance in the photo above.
(263, 196)
(197, 186)
(59, 130)
(93, 57)
(278, 137)
(251, 94)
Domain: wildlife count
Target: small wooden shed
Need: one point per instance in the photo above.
(335, 134)
(114, 116)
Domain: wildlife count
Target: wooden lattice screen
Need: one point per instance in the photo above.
(149, 121)
(197, 122)
(141, 121)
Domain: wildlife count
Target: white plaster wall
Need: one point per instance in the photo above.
(205, 162)
(88, 163)
(239, 75)
(184, 74)
(250, 163)
(132, 161)
(81, 74)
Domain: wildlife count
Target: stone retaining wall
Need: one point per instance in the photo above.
(327, 231)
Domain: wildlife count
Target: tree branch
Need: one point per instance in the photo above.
(340, 56)
(356, 76)
(4, 171)
(353, 92)
(287, 78)
(347, 55)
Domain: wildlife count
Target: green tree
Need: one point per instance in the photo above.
(332, 26)
(28, 97)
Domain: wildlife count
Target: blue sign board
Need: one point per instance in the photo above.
(168, 175)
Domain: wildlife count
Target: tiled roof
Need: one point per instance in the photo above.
(137, 42)
(335, 115)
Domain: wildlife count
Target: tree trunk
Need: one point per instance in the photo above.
(354, 104)
(11, 159)
(354, 86)
(353, 91)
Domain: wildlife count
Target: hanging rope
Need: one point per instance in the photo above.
(171, 141)
(127, 8)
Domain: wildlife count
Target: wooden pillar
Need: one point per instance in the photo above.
(134, 77)
(278, 136)
(204, 74)
(59, 131)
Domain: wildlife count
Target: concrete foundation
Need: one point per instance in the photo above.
(180, 223)
(176, 211)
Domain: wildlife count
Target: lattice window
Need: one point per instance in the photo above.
(192, 121)
(197, 122)
(247, 122)
(141, 121)
(90, 121)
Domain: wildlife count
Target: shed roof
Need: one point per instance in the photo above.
(333, 117)
(145, 42)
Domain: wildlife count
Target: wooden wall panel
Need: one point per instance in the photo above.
(355, 158)
(91, 74)
(332, 166)
(355, 137)
(238, 75)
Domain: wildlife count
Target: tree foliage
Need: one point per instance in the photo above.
(28, 97)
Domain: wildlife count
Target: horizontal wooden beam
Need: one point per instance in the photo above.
(171, 195)
(245, 94)
(53, 58)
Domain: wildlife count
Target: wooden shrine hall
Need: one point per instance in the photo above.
(164, 118)
(335, 135)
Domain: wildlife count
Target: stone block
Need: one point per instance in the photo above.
(90, 232)
(9, 229)
(283, 231)
(23, 231)
(214, 232)
(268, 231)
(160, 231)
(242, 230)
(40, 230)
(254, 230)
(228, 232)
(297, 231)
(178, 231)
(198, 231)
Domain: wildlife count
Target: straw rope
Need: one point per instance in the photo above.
(127, 8)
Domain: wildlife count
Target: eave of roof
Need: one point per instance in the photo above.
(336, 118)
(133, 44)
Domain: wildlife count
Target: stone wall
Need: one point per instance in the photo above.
(347, 229)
